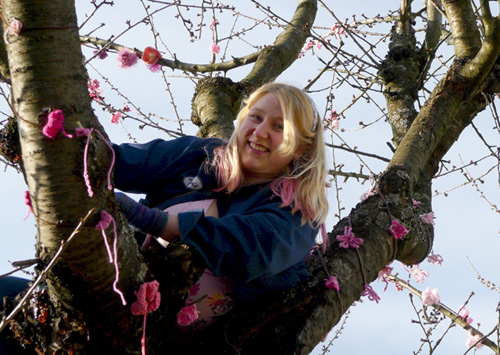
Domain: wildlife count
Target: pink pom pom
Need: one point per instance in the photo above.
(126, 58)
(54, 125)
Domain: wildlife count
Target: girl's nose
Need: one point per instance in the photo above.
(262, 131)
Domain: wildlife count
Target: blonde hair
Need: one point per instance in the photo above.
(302, 185)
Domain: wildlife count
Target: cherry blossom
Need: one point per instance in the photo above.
(473, 339)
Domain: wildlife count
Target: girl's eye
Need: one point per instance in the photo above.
(256, 118)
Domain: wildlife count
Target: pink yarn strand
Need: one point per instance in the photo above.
(88, 132)
(110, 187)
(106, 219)
(143, 339)
(85, 167)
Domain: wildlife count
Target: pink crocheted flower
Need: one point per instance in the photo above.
(370, 292)
(148, 298)
(418, 274)
(427, 218)
(332, 282)
(126, 58)
(187, 315)
(348, 240)
(398, 230)
(430, 297)
(15, 27)
(435, 259)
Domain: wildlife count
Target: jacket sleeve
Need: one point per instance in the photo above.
(260, 243)
(146, 168)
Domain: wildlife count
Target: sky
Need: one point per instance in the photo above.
(466, 226)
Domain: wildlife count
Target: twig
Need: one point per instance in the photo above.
(42, 275)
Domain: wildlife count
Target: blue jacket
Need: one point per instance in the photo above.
(257, 244)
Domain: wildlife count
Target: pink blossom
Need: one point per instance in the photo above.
(148, 298)
(435, 259)
(94, 90)
(473, 339)
(332, 120)
(464, 313)
(427, 218)
(416, 203)
(187, 315)
(101, 54)
(398, 230)
(126, 58)
(214, 48)
(214, 24)
(348, 240)
(115, 117)
(319, 45)
(418, 274)
(126, 108)
(154, 68)
(332, 282)
(430, 298)
(370, 292)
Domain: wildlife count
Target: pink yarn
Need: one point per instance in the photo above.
(102, 225)
(85, 132)
(27, 202)
(126, 58)
(187, 315)
(54, 125)
(148, 300)
(397, 230)
(332, 282)
(15, 27)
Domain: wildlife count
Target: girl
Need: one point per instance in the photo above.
(251, 207)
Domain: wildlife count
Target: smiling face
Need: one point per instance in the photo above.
(259, 137)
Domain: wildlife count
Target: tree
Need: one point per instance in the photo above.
(45, 68)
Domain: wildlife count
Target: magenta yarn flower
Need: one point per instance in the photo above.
(54, 125)
(430, 297)
(397, 230)
(418, 274)
(435, 259)
(148, 298)
(332, 282)
(187, 315)
(348, 240)
(427, 218)
(126, 58)
(370, 293)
